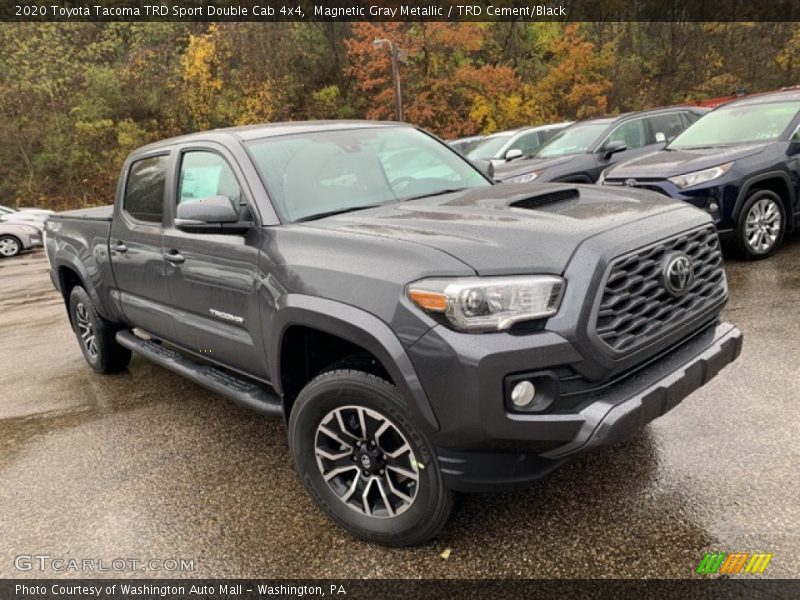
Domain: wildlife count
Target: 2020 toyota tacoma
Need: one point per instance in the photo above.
(420, 329)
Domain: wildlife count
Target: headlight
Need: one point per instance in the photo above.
(29, 229)
(525, 178)
(489, 303)
(690, 179)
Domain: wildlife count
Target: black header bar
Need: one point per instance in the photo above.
(399, 10)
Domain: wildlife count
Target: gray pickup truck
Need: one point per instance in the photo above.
(421, 330)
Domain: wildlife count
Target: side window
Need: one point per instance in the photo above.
(546, 134)
(631, 133)
(666, 127)
(144, 189)
(691, 117)
(205, 174)
(527, 142)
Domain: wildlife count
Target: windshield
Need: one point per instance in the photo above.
(738, 125)
(573, 140)
(324, 172)
(487, 149)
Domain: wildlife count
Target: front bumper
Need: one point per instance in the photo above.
(607, 417)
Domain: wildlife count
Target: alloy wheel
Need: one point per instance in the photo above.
(9, 247)
(86, 329)
(763, 225)
(366, 461)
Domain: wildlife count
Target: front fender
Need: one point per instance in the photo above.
(358, 327)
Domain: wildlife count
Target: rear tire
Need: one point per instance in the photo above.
(96, 336)
(396, 495)
(761, 225)
(9, 246)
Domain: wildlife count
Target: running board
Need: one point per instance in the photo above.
(237, 388)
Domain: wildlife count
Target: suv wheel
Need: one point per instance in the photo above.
(96, 336)
(761, 226)
(364, 462)
(9, 246)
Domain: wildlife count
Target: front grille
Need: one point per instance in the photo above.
(651, 188)
(636, 308)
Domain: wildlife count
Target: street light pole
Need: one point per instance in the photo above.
(394, 51)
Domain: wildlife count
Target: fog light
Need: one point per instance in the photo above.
(523, 394)
(713, 208)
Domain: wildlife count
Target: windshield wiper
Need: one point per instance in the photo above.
(439, 193)
(332, 213)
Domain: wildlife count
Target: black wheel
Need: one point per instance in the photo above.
(761, 225)
(364, 462)
(96, 336)
(9, 246)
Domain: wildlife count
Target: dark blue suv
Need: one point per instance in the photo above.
(740, 162)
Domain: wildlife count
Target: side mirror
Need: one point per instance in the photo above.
(215, 213)
(485, 166)
(612, 148)
(513, 153)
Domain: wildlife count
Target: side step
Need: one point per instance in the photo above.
(241, 390)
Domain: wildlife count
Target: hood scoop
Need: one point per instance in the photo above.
(533, 202)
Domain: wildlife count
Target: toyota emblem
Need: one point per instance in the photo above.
(678, 274)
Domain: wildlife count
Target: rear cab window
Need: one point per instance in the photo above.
(144, 189)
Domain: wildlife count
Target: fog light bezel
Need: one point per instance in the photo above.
(546, 385)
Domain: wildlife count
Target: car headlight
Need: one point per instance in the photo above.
(528, 177)
(29, 229)
(690, 179)
(489, 303)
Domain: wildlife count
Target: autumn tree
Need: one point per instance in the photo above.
(575, 86)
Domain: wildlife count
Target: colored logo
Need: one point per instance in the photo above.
(734, 563)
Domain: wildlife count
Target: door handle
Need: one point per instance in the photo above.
(119, 247)
(174, 257)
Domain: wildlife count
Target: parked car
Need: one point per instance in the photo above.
(581, 152)
(29, 216)
(420, 334)
(16, 237)
(464, 144)
(506, 146)
(739, 163)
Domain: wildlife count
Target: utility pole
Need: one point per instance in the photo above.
(394, 51)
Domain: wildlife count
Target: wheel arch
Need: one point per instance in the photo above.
(70, 273)
(778, 182)
(357, 329)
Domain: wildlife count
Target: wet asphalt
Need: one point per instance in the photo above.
(147, 465)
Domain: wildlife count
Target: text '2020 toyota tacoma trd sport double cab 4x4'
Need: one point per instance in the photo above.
(421, 330)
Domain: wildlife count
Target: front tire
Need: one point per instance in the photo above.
(761, 226)
(9, 246)
(364, 462)
(96, 336)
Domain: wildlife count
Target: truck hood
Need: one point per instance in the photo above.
(669, 163)
(525, 166)
(482, 227)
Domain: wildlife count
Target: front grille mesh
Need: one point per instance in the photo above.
(636, 308)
